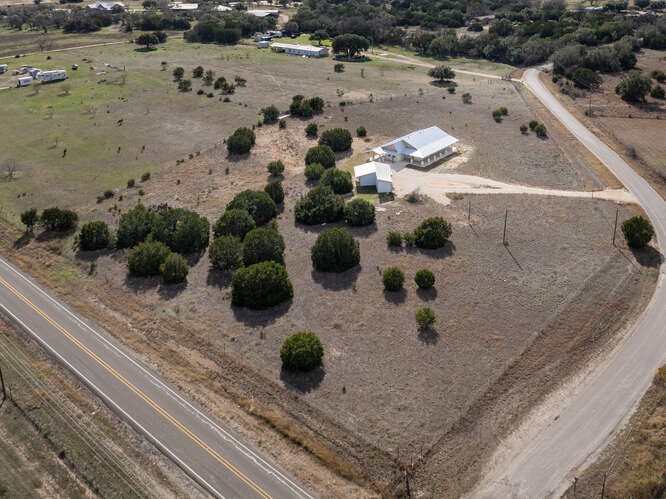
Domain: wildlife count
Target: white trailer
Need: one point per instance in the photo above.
(49, 76)
(24, 81)
(3, 68)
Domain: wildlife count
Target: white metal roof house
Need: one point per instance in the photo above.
(420, 148)
(264, 13)
(296, 49)
(183, 6)
(108, 6)
(222, 8)
(374, 174)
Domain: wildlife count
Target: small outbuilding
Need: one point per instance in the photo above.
(178, 6)
(302, 50)
(374, 174)
(265, 13)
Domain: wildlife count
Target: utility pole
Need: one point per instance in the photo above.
(506, 216)
(617, 212)
(575, 481)
(603, 486)
(469, 211)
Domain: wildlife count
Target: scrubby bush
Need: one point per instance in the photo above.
(541, 131)
(432, 233)
(241, 141)
(29, 218)
(145, 177)
(234, 222)
(338, 139)
(658, 92)
(305, 108)
(275, 168)
(637, 232)
(361, 131)
(359, 212)
(393, 279)
(226, 253)
(135, 225)
(182, 230)
(258, 204)
(311, 130)
(198, 72)
(523, 129)
(314, 171)
(94, 236)
(282, 124)
(301, 352)
(634, 86)
(425, 318)
(58, 219)
(174, 269)
(275, 190)
(321, 154)
(467, 98)
(339, 180)
(410, 239)
(271, 114)
(185, 85)
(394, 238)
(320, 205)
(335, 250)
(146, 258)
(263, 244)
(533, 124)
(260, 286)
(424, 279)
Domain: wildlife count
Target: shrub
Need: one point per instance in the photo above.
(410, 239)
(393, 279)
(130, 183)
(533, 124)
(425, 318)
(260, 286)
(339, 180)
(275, 168)
(135, 225)
(335, 250)
(234, 222)
(541, 131)
(523, 129)
(338, 139)
(241, 141)
(314, 171)
(359, 212)
(659, 75)
(451, 90)
(320, 205)
(178, 73)
(634, 86)
(145, 177)
(361, 131)
(301, 352)
(321, 154)
(58, 219)
(658, 92)
(282, 124)
(262, 245)
(311, 130)
(442, 73)
(258, 204)
(339, 67)
(198, 72)
(637, 232)
(300, 106)
(432, 233)
(504, 111)
(185, 85)
(94, 236)
(424, 279)
(467, 98)
(146, 258)
(271, 114)
(29, 218)
(497, 115)
(182, 230)
(226, 253)
(275, 190)
(174, 269)
(394, 238)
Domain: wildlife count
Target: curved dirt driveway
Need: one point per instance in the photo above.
(541, 458)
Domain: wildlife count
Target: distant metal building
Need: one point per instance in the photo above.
(302, 50)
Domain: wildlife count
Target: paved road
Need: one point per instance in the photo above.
(558, 444)
(211, 455)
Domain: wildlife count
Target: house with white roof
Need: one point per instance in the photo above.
(184, 6)
(374, 174)
(264, 13)
(297, 49)
(420, 148)
(108, 6)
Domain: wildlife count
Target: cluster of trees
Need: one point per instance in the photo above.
(635, 86)
(350, 44)
(149, 39)
(43, 18)
(305, 108)
(338, 139)
(228, 28)
(431, 233)
(53, 219)
(241, 141)
(151, 21)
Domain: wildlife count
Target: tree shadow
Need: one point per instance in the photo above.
(23, 240)
(428, 335)
(506, 246)
(50, 235)
(445, 251)
(302, 382)
(648, 257)
(336, 281)
(219, 278)
(317, 228)
(145, 49)
(91, 256)
(396, 297)
(364, 230)
(193, 258)
(443, 83)
(427, 294)
(169, 291)
(265, 317)
(142, 284)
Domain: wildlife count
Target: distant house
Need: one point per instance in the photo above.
(420, 148)
(374, 174)
(296, 49)
(183, 6)
(107, 6)
(264, 13)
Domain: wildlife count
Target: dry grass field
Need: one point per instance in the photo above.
(534, 309)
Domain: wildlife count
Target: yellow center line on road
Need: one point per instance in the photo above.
(139, 393)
